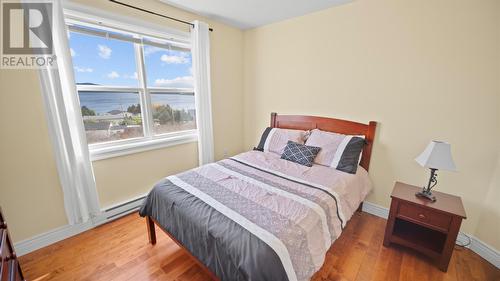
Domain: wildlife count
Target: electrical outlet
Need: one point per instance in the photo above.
(225, 153)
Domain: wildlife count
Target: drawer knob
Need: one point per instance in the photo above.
(421, 216)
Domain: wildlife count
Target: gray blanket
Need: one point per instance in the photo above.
(255, 216)
(226, 248)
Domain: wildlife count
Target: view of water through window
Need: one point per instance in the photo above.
(103, 64)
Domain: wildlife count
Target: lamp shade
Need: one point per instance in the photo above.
(437, 155)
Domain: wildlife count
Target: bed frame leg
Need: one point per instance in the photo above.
(360, 208)
(150, 224)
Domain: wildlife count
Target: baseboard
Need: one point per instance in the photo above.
(375, 209)
(108, 214)
(484, 250)
(41, 240)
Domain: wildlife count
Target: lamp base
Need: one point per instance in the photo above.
(426, 195)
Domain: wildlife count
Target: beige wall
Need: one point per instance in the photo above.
(122, 178)
(488, 229)
(423, 69)
(30, 193)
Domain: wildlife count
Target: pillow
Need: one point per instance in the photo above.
(342, 152)
(300, 153)
(329, 142)
(348, 154)
(275, 139)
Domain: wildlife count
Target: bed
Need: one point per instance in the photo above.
(255, 216)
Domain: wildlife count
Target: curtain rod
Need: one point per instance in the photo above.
(153, 13)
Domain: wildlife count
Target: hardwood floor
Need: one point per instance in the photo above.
(120, 251)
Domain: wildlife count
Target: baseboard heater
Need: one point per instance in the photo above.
(123, 209)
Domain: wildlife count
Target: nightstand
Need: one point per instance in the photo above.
(428, 227)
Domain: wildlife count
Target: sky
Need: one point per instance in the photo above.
(111, 62)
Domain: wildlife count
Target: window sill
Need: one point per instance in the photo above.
(100, 152)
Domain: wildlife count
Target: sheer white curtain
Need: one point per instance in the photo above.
(201, 70)
(66, 129)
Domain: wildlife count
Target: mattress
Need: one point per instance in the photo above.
(255, 216)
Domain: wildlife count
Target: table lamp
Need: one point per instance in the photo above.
(436, 156)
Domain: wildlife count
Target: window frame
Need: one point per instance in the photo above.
(149, 140)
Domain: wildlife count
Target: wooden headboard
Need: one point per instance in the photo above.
(301, 122)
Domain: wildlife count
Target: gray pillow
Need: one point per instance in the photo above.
(300, 153)
(350, 155)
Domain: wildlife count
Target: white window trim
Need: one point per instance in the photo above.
(122, 148)
(99, 151)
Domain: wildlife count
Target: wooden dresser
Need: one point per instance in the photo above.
(428, 227)
(10, 270)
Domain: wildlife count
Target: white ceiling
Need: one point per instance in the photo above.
(247, 14)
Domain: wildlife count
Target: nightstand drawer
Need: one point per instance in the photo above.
(436, 219)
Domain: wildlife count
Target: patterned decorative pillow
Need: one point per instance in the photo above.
(342, 152)
(275, 139)
(300, 153)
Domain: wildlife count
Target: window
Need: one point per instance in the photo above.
(167, 71)
(132, 88)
